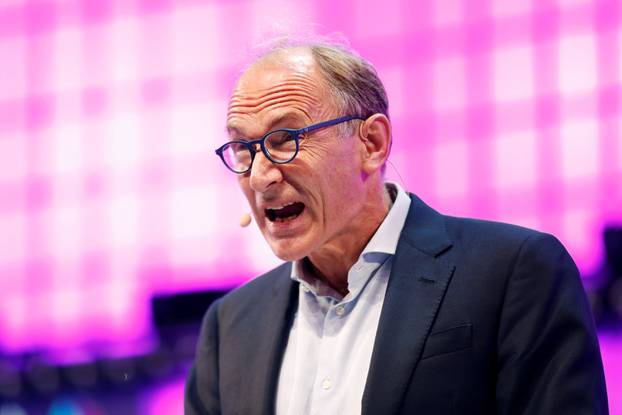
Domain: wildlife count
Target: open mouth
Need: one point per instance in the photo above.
(285, 213)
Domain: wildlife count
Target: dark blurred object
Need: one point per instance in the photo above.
(10, 380)
(177, 319)
(182, 309)
(606, 297)
(34, 384)
(613, 250)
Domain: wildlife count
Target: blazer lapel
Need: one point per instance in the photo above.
(417, 283)
(272, 329)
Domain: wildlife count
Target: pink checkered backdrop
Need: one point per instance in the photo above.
(110, 111)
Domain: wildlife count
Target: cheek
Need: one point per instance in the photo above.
(343, 189)
(326, 173)
(248, 193)
(318, 149)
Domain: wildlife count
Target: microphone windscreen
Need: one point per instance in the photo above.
(245, 220)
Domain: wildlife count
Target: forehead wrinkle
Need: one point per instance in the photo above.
(297, 78)
(299, 91)
(249, 100)
(300, 106)
(244, 108)
(298, 100)
(295, 83)
(244, 102)
(286, 85)
(275, 120)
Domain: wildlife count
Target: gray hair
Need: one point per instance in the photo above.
(352, 81)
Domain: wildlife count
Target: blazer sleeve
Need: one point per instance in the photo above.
(548, 357)
(202, 394)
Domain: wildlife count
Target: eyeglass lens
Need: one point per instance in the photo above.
(280, 145)
(237, 156)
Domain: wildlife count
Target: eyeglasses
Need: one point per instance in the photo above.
(279, 146)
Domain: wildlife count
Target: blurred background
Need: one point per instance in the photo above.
(119, 225)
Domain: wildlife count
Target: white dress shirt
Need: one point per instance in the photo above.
(328, 353)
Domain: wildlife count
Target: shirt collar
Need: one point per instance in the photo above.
(388, 234)
(382, 244)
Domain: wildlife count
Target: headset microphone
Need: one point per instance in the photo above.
(245, 220)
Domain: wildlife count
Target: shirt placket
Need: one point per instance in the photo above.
(326, 386)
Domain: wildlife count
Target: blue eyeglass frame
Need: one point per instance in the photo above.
(295, 133)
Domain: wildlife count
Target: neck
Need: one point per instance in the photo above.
(333, 261)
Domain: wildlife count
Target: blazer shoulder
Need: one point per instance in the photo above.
(490, 235)
(487, 226)
(435, 233)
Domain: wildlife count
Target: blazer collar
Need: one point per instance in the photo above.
(419, 278)
(272, 326)
(425, 228)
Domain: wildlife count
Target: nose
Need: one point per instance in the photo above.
(264, 173)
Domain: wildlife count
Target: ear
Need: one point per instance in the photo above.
(375, 134)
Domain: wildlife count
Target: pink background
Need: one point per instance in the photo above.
(110, 111)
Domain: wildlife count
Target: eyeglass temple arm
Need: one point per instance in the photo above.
(329, 123)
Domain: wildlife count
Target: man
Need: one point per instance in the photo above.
(384, 306)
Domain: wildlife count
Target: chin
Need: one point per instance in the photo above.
(288, 250)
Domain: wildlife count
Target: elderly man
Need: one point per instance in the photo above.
(383, 306)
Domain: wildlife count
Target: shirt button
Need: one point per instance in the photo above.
(304, 288)
(327, 384)
(340, 310)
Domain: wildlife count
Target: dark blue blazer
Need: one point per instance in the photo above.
(478, 318)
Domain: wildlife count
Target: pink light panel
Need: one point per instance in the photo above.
(110, 111)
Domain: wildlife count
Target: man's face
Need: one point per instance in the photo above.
(311, 203)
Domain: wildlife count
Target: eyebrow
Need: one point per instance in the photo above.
(287, 116)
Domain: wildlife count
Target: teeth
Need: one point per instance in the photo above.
(284, 219)
(277, 213)
(280, 207)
